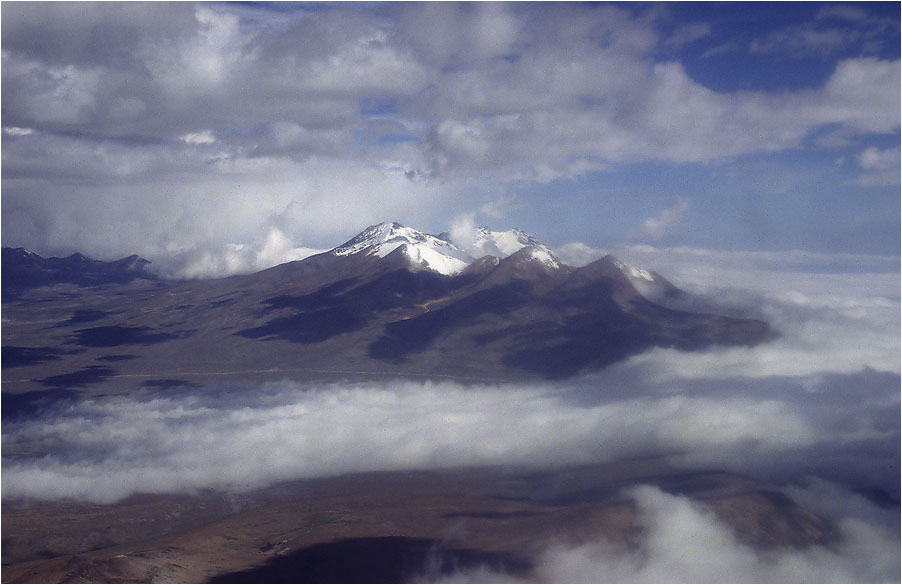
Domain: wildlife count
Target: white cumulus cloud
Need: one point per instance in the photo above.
(680, 541)
(191, 109)
(656, 227)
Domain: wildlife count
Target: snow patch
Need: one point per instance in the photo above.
(445, 254)
(423, 249)
(633, 272)
(433, 260)
(501, 244)
(543, 255)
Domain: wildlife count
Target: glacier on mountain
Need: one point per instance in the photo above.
(634, 273)
(382, 239)
(433, 259)
(441, 254)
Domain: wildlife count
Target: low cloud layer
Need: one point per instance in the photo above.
(840, 427)
(835, 312)
(655, 227)
(681, 541)
(213, 261)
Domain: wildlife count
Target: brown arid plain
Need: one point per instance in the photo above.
(375, 527)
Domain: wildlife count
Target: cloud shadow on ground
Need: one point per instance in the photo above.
(388, 559)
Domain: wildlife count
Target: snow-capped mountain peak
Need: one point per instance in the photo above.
(439, 253)
(424, 250)
(650, 285)
(502, 244)
(430, 258)
(485, 242)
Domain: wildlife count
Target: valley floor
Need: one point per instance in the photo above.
(376, 527)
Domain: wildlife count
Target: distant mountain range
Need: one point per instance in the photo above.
(390, 301)
(22, 269)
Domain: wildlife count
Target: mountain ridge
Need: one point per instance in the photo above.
(441, 253)
(23, 269)
(378, 309)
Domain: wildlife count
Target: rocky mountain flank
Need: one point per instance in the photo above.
(391, 301)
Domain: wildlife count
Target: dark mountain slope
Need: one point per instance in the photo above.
(520, 317)
(23, 270)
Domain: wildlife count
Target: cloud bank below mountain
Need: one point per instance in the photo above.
(838, 427)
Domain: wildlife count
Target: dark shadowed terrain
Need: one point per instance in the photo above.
(87, 326)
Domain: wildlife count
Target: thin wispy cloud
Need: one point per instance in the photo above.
(880, 167)
(658, 226)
